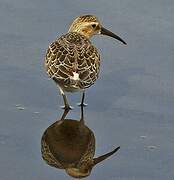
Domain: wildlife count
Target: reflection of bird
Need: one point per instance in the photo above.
(71, 60)
(69, 144)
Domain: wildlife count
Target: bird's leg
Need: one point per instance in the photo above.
(82, 116)
(66, 104)
(82, 100)
(64, 114)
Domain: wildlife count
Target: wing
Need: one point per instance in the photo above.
(47, 155)
(72, 53)
(90, 151)
(88, 64)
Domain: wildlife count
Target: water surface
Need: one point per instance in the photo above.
(131, 104)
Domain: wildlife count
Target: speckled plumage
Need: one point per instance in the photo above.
(71, 60)
(68, 144)
(70, 53)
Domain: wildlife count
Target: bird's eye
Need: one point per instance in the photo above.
(94, 25)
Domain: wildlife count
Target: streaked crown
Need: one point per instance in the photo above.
(86, 18)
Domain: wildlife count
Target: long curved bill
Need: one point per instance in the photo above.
(111, 34)
(105, 156)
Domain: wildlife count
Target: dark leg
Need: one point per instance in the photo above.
(82, 100)
(82, 116)
(64, 114)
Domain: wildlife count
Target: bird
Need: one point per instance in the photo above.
(72, 61)
(68, 144)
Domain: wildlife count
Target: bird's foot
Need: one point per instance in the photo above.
(67, 107)
(82, 104)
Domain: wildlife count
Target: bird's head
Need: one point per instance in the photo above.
(81, 171)
(89, 25)
(84, 169)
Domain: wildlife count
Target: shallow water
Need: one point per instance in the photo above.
(131, 105)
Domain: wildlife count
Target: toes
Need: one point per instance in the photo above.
(67, 107)
(82, 104)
